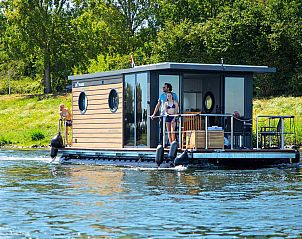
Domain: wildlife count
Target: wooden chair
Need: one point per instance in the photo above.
(194, 122)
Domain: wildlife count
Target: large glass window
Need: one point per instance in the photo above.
(141, 109)
(173, 80)
(234, 95)
(129, 122)
(135, 110)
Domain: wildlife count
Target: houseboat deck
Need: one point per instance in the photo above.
(198, 158)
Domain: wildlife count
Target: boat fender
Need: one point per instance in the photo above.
(182, 159)
(173, 150)
(297, 158)
(57, 141)
(159, 158)
(53, 152)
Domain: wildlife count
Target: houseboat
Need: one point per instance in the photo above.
(112, 124)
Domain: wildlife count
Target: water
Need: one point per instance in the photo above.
(42, 200)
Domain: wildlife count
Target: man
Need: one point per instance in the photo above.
(162, 99)
(161, 105)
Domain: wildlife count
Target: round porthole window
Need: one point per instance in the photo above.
(113, 100)
(83, 102)
(209, 102)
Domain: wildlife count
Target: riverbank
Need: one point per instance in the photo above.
(30, 121)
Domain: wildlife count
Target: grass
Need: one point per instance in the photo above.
(281, 106)
(32, 120)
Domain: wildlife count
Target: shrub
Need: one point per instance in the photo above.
(5, 141)
(37, 135)
(25, 85)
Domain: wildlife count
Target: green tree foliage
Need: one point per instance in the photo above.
(109, 31)
(49, 40)
(39, 33)
(266, 33)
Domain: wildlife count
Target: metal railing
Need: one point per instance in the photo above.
(272, 129)
(62, 129)
(206, 117)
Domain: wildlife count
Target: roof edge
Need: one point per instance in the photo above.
(179, 66)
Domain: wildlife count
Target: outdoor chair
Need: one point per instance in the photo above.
(271, 135)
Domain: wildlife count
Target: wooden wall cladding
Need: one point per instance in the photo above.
(98, 127)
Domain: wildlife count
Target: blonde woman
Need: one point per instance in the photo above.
(171, 108)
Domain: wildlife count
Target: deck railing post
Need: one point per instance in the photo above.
(206, 128)
(282, 132)
(65, 133)
(179, 131)
(164, 130)
(232, 132)
(257, 136)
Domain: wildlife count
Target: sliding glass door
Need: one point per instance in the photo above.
(135, 110)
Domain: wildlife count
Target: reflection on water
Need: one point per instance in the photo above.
(103, 182)
(39, 200)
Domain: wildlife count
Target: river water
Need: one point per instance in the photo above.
(42, 200)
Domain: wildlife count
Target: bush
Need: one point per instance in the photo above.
(5, 141)
(21, 86)
(37, 135)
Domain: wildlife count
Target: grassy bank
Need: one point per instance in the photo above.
(32, 120)
(281, 106)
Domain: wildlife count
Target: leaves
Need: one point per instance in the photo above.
(53, 39)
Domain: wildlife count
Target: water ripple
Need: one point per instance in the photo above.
(41, 200)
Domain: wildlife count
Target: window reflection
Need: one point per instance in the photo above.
(135, 108)
(141, 109)
(129, 126)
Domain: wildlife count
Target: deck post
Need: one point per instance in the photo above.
(232, 132)
(257, 137)
(206, 128)
(65, 133)
(179, 131)
(164, 131)
(282, 133)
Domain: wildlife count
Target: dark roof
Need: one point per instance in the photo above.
(180, 66)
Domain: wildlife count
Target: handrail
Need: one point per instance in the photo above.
(282, 130)
(206, 116)
(62, 129)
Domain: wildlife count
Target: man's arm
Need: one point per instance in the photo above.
(156, 109)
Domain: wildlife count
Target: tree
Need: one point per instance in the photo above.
(112, 30)
(40, 27)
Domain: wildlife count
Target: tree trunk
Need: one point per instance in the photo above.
(47, 80)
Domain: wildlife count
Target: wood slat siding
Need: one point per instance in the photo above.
(91, 127)
(95, 145)
(96, 92)
(94, 115)
(98, 127)
(88, 139)
(98, 131)
(94, 126)
(98, 89)
(79, 120)
(106, 113)
(87, 133)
